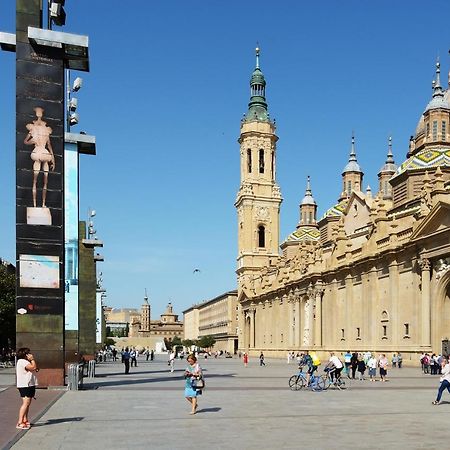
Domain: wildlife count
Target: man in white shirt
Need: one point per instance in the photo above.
(335, 365)
(172, 361)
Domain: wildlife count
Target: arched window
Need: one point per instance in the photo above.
(435, 130)
(349, 188)
(249, 161)
(444, 130)
(261, 236)
(310, 217)
(261, 161)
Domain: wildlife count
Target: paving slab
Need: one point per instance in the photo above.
(241, 408)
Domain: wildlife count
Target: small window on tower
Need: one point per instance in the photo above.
(249, 161)
(261, 236)
(444, 130)
(349, 188)
(435, 133)
(261, 161)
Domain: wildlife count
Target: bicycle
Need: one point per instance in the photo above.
(299, 381)
(338, 383)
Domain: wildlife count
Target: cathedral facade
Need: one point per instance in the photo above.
(373, 274)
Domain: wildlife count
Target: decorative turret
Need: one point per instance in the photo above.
(257, 108)
(145, 314)
(352, 175)
(308, 207)
(386, 172)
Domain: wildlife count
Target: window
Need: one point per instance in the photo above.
(261, 236)
(261, 161)
(358, 333)
(428, 129)
(406, 329)
(310, 217)
(384, 331)
(386, 187)
(281, 337)
(342, 334)
(249, 161)
(435, 130)
(444, 130)
(349, 188)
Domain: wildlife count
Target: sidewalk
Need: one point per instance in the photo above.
(10, 403)
(241, 408)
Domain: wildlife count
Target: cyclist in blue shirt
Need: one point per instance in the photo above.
(308, 362)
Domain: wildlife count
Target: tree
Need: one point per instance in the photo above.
(187, 343)
(206, 342)
(109, 341)
(7, 308)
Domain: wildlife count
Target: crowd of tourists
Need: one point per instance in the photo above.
(431, 364)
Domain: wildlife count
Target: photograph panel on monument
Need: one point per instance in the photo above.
(39, 271)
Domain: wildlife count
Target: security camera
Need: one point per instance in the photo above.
(78, 82)
(73, 119)
(73, 103)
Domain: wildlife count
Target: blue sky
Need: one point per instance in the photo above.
(169, 82)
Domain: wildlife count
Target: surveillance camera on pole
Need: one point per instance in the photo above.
(73, 103)
(73, 119)
(77, 84)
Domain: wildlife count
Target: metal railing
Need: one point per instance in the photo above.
(75, 376)
(91, 369)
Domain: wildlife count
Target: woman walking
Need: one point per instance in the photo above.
(383, 363)
(445, 380)
(192, 374)
(26, 384)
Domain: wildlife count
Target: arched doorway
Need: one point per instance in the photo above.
(440, 315)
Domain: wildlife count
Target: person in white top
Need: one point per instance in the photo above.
(445, 380)
(26, 384)
(335, 366)
(172, 361)
(372, 365)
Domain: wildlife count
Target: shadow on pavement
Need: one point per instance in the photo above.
(207, 410)
(56, 421)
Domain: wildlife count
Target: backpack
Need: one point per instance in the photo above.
(315, 359)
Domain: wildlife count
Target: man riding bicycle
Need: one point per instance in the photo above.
(312, 362)
(334, 367)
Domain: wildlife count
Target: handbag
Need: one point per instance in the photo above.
(198, 384)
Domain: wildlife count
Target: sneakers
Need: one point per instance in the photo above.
(435, 403)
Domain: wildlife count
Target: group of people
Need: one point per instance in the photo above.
(360, 362)
(431, 364)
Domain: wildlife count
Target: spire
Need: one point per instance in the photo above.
(257, 108)
(145, 296)
(308, 199)
(389, 166)
(352, 165)
(438, 100)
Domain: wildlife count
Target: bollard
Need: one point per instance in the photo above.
(73, 377)
(91, 369)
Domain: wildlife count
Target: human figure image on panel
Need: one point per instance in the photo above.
(44, 160)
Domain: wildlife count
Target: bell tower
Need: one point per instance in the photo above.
(258, 200)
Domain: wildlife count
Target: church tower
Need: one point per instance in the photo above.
(352, 175)
(308, 208)
(258, 200)
(145, 314)
(385, 174)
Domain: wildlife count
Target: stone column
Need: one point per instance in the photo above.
(318, 322)
(426, 310)
(308, 322)
(297, 315)
(393, 287)
(252, 327)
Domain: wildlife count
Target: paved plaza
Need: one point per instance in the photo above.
(241, 408)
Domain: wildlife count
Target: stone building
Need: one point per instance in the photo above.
(372, 273)
(218, 318)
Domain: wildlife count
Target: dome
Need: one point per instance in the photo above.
(438, 102)
(352, 166)
(257, 77)
(308, 200)
(429, 158)
(337, 210)
(304, 234)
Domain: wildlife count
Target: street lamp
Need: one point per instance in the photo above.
(72, 102)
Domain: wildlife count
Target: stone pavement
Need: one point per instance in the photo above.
(241, 408)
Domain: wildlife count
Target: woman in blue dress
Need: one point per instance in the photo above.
(192, 374)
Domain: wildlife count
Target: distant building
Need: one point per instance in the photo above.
(217, 318)
(9, 267)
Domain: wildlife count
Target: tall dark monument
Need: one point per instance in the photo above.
(41, 57)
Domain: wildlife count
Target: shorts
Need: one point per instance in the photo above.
(312, 369)
(372, 372)
(383, 372)
(29, 391)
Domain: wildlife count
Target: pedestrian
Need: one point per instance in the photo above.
(245, 358)
(114, 353)
(133, 356)
(354, 364)
(383, 364)
(126, 359)
(444, 381)
(372, 365)
(172, 361)
(152, 355)
(394, 360)
(26, 368)
(288, 357)
(261, 360)
(147, 354)
(192, 375)
(361, 368)
(347, 362)
(399, 360)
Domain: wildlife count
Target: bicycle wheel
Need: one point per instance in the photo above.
(318, 384)
(296, 382)
(344, 383)
(326, 381)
